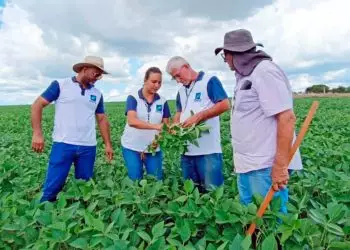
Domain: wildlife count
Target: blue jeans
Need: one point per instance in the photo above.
(203, 169)
(134, 164)
(259, 182)
(61, 158)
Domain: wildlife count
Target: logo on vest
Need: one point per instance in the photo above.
(197, 97)
(93, 98)
(159, 108)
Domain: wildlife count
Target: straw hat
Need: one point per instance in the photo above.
(90, 61)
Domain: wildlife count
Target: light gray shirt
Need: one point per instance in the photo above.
(257, 99)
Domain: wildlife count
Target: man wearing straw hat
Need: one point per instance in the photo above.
(78, 104)
(262, 119)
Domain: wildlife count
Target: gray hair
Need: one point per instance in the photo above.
(175, 63)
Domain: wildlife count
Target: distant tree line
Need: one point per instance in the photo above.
(322, 88)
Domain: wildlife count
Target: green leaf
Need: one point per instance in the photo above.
(236, 243)
(211, 247)
(43, 217)
(143, 183)
(80, 243)
(62, 203)
(89, 219)
(119, 244)
(339, 245)
(219, 192)
(174, 242)
(154, 211)
(158, 244)
(185, 231)
(60, 236)
(99, 225)
(336, 212)
(201, 244)
(222, 246)
(158, 230)
(109, 228)
(119, 216)
(269, 243)
(317, 216)
(334, 229)
(286, 234)
(182, 198)
(246, 242)
(92, 206)
(127, 233)
(59, 226)
(144, 236)
(222, 217)
(188, 186)
(11, 227)
(68, 213)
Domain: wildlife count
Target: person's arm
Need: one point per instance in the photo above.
(38, 143)
(217, 95)
(285, 132)
(276, 100)
(176, 119)
(104, 128)
(166, 113)
(177, 115)
(49, 95)
(133, 120)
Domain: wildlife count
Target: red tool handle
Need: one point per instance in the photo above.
(294, 148)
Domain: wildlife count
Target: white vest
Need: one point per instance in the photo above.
(198, 100)
(75, 114)
(138, 139)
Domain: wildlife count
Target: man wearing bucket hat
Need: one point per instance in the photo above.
(262, 119)
(77, 106)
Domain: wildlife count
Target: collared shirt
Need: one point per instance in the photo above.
(75, 110)
(215, 90)
(201, 95)
(154, 113)
(257, 99)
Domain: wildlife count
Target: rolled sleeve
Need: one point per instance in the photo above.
(52, 92)
(166, 110)
(131, 104)
(274, 92)
(100, 107)
(216, 91)
(178, 103)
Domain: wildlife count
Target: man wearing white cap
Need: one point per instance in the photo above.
(77, 106)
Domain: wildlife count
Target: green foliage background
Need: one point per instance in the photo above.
(111, 212)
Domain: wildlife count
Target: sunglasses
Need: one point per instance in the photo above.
(223, 56)
(97, 76)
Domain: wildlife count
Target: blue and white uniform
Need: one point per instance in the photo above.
(203, 164)
(135, 141)
(74, 134)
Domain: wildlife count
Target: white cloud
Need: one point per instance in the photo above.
(113, 95)
(36, 48)
(300, 82)
(335, 74)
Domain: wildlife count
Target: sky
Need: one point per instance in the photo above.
(40, 40)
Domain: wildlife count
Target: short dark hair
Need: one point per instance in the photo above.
(152, 70)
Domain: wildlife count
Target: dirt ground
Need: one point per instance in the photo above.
(322, 95)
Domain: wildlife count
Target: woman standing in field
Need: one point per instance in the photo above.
(146, 112)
